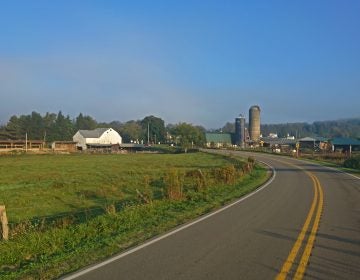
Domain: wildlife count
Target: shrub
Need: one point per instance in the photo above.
(251, 160)
(198, 178)
(145, 194)
(174, 184)
(226, 174)
(353, 162)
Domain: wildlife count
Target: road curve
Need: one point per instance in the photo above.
(258, 237)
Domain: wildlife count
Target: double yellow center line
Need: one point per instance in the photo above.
(313, 215)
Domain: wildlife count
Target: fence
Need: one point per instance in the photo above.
(4, 223)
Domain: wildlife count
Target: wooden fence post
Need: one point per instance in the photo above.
(4, 223)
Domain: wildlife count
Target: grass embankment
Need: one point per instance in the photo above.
(162, 190)
(335, 161)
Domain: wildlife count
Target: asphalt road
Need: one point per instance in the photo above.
(253, 239)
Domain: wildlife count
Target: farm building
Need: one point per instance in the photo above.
(345, 144)
(63, 146)
(218, 140)
(313, 143)
(278, 144)
(33, 145)
(97, 138)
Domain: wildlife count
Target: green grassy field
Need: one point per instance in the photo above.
(36, 186)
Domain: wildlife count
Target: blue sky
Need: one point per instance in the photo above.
(202, 62)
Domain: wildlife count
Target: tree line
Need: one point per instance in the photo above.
(58, 127)
(328, 129)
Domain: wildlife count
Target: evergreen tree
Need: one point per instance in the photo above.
(85, 122)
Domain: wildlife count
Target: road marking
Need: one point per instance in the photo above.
(295, 249)
(307, 252)
(137, 248)
(318, 202)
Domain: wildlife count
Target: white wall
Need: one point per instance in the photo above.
(108, 137)
(81, 141)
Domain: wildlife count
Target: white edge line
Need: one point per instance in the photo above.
(137, 248)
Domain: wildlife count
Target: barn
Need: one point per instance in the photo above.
(99, 137)
(218, 140)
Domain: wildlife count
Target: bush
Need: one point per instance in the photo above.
(226, 174)
(174, 184)
(198, 178)
(353, 162)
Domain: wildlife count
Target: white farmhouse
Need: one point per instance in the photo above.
(96, 137)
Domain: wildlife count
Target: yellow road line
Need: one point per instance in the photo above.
(318, 193)
(307, 252)
(295, 249)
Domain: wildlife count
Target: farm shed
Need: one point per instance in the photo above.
(345, 144)
(64, 146)
(218, 140)
(282, 144)
(22, 145)
(313, 143)
(98, 137)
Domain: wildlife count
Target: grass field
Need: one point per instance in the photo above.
(34, 185)
(51, 185)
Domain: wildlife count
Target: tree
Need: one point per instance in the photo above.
(13, 129)
(116, 125)
(154, 128)
(49, 125)
(35, 126)
(63, 128)
(228, 128)
(188, 135)
(131, 131)
(85, 122)
(3, 133)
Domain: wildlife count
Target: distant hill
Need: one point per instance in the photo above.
(330, 129)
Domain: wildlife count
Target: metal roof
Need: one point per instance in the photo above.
(278, 141)
(312, 139)
(218, 137)
(96, 133)
(342, 141)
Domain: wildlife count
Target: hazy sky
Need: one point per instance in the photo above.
(202, 62)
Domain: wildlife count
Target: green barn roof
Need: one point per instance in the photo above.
(218, 137)
(342, 141)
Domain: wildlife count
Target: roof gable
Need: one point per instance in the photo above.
(95, 133)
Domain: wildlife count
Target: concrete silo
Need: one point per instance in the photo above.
(254, 123)
(240, 131)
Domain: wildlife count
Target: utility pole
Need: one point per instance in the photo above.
(26, 140)
(297, 149)
(148, 134)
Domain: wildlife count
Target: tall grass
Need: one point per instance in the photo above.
(34, 185)
(179, 187)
